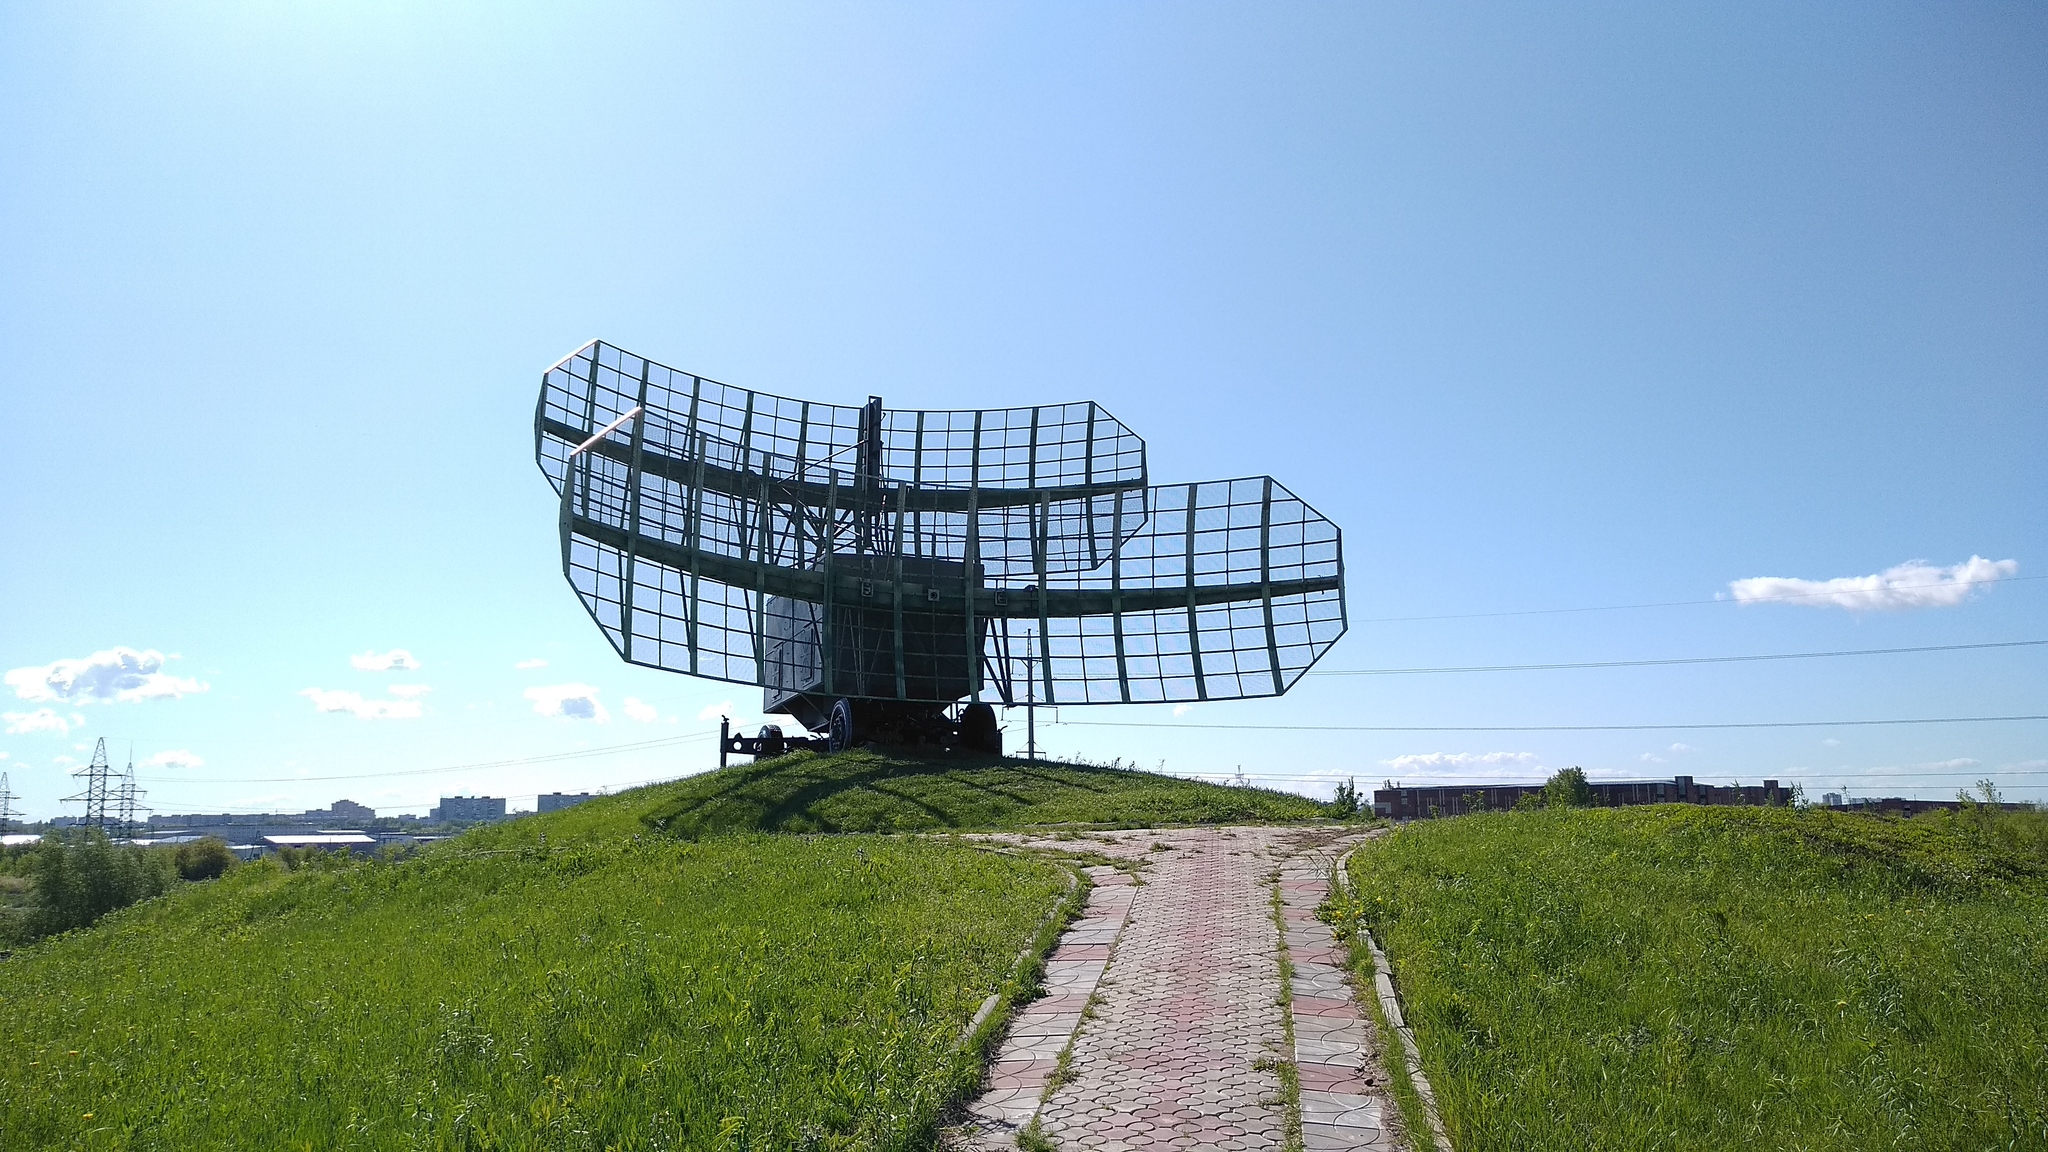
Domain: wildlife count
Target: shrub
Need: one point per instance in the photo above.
(82, 879)
(205, 859)
(1345, 802)
(1568, 789)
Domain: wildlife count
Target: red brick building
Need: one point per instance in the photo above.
(1420, 801)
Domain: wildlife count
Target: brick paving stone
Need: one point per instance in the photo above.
(1345, 1103)
(1189, 1010)
(1041, 1030)
(1181, 1047)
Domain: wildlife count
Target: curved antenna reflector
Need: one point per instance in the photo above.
(1017, 553)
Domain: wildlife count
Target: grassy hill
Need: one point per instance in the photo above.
(646, 970)
(609, 990)
(1677, 977)
(865, 791)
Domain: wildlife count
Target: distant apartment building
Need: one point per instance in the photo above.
(556, 801)
(340, 812)
(221, 819)
(469, 809)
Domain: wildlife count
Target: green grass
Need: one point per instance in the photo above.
(867, 791)
(1679, 977)
(14, 907)
(603, 989)
(644, 971)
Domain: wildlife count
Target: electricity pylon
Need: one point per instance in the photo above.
(98, 791)
(8, 814)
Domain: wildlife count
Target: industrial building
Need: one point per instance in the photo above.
(354, 843)
(1412, 803)
(556, 801)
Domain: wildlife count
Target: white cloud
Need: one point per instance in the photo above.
(1682, 749)
(353, 703)
(1914, 584)
(637, 709)
(1431, 762)
(1652, 758)
(173, 758)
(536, 662)
(575, 701)
(1183, 709)
(396, 660)
(117, 674)
(1831, 742)
(3, 755)
(409, 691)
(40, 720)
(714, 711)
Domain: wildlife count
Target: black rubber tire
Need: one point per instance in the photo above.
(771, 742)
(841, 732)
(978, 730)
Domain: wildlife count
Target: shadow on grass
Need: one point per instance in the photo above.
(845, 793)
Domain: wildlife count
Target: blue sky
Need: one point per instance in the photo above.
(1549, 307)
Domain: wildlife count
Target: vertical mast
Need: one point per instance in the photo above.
(867, 480)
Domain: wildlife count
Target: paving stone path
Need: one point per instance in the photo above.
(1166, 999)
(1345, 1101)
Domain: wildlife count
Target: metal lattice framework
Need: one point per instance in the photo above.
(127, 801)
(99, 794)
(826, 551)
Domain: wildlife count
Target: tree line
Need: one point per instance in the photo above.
(66, 882)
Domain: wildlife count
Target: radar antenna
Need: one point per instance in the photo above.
(888, 575)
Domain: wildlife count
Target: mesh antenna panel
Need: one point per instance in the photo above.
(870, 569)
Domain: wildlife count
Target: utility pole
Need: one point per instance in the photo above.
(1030, 706)
(127, 800)
(7, 811)
(97, 794)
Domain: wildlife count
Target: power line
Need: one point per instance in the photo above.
(607, 750)
(1660, 604)
(1546, 727)
(1677, 660)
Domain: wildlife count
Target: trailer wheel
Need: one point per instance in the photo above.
(978, 730)
(840, 731)
(771, 742)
